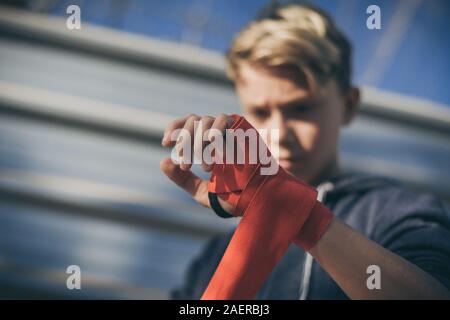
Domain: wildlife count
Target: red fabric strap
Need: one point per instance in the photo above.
(276, 210)
(314, 227)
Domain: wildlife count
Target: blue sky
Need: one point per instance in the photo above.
(408, 55)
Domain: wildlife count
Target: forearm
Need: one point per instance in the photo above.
(345, 255)
(269, 225)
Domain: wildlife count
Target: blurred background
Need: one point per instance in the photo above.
(82, 114)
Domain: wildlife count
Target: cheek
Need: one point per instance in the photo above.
(258, 125)
(309, 135)
(263, 132)
(322, 132)
(270, 138)
(253, 120)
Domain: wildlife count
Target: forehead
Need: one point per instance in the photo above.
(263, 86)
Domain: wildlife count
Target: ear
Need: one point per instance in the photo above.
(352, 99)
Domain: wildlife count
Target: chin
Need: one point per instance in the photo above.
(296, 172)
(297, 169)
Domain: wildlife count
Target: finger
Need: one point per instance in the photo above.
(200, 143)
(187, 142)
(218, 130)
(172, 126)
(187, 180)
(220, 123)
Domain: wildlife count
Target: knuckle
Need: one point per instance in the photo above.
(172, 124)
(207, 119)
(192, 118)
(219, 119)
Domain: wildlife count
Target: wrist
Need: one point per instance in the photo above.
(314, 227)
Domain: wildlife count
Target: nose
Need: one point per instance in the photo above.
(282, 142)
(282, 124)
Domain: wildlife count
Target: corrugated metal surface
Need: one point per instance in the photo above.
(80, 184)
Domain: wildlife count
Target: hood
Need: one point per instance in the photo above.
(346, 183)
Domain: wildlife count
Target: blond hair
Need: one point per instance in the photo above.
(294, 36)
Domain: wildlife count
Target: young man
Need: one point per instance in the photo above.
(291, 71)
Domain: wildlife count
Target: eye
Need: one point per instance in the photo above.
(302, 108)
(261, 112)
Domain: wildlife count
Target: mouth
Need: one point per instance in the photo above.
(289, 162)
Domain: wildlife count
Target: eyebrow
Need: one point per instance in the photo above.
(288, 104)
(296, 102)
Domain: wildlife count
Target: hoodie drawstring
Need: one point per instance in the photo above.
(322, 191)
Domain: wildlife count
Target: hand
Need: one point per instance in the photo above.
(181, 173)
(276, 208)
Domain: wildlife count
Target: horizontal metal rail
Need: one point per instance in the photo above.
(193, 62)
(40, 190)
(87, 114)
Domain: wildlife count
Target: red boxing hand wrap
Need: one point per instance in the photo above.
(276, 210)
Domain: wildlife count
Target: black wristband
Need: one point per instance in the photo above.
(215, 205)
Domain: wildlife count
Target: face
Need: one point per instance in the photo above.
(308, 123)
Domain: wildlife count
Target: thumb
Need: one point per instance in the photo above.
(187, 180)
